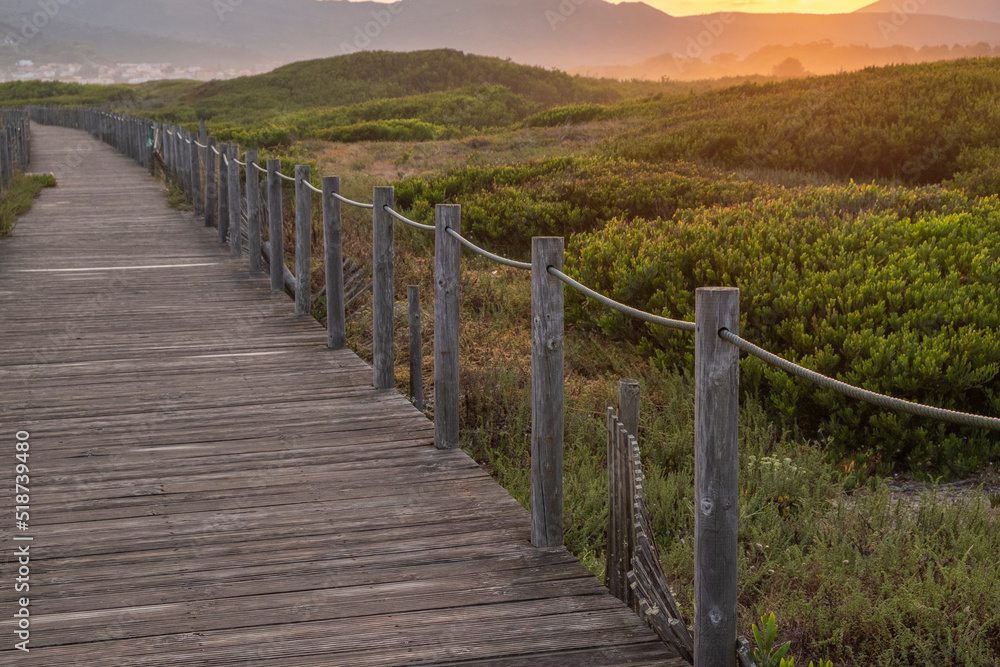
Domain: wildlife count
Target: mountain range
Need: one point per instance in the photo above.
(564, 34)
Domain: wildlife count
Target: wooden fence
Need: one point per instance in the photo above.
(218, 196)
(633, 573)
(15, 144)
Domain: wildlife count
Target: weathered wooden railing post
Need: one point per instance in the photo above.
(199, 203)
(275, 223)
(211, 201)
(186, 179)
(235, 208)
(166, 147)
(336, 323)
(416, 346)
(253, 214)
(383, 302)
(447, 266)
(150, 141)
(303, 240)
(621, 546)
(716, 412)
(5, 166)
(547, 416)
(223, 192)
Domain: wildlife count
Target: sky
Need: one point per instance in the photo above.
(688, 7)
(691, 7)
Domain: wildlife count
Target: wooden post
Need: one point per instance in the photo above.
(211, 198)
(716, 411)
(303, 240)
(416, 346)
(150, 149)
(628, 406)
(253, 214)
(447, 267)
(628, 419)
(235, 206)
(187, 152)
(196, 176)
(165, 145)
(383, 302)
(223, 193)
(547, 417)
(275, 225)
(336, 321)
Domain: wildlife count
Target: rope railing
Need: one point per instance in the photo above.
(628, 310)
(411, 223)
(290, 179)
(351, 202)
(200, 145)
(878, 400)
(242, 164)
(259, 168)
(485, 253)
(311, 186)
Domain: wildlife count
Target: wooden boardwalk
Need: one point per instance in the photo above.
(209, 485)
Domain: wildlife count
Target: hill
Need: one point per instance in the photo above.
(977, 10)
(261, 34)
(363, 86)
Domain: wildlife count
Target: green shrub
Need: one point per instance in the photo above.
(909, 122)
(890, 289)
(262, 136)
(384, 130)
(568, 115)
(505, 206)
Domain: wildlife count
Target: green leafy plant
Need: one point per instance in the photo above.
(765, 654)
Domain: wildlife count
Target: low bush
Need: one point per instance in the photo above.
(384, 130)
(505, 206)
(890, 289)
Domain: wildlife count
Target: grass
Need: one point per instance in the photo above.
(18, 199)
(861, 577)
(855, 569)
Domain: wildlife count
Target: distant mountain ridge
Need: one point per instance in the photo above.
(564, 34)
(976, 10)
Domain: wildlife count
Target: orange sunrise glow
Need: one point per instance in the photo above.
(689, 7)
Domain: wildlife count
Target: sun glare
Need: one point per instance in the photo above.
(689, 7)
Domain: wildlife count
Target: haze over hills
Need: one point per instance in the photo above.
(979, 10)
(262, 34)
